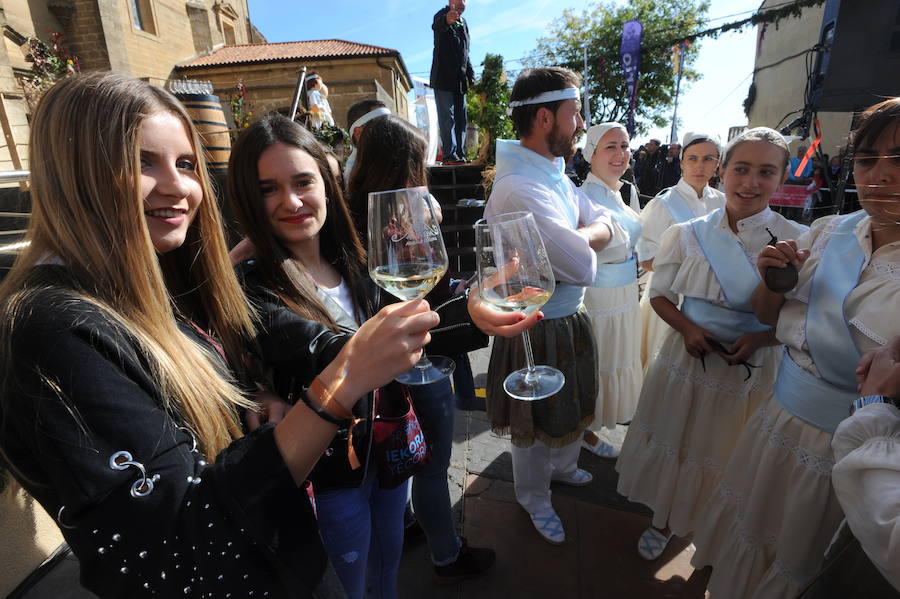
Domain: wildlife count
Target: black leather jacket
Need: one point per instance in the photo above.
(295, 349)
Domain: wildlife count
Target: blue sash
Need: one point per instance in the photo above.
(809, 398)
(565, 301)
(675, 204)
(828, 336)
(619, 273)
(616, 274)
(602, 195)
(725, 324)
(726, 257)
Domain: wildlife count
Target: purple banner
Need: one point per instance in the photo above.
(632, 34)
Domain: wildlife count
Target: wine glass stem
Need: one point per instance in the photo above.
(530, 377)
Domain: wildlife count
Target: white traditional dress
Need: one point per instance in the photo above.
(775, 512)
(866, 480)
(690, 416)
(612, 304)
(676, 204)
(320, 109)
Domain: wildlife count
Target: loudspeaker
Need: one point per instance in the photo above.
(860, 61)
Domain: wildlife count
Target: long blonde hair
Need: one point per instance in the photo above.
(87, 210)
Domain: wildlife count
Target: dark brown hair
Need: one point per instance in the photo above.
(361, 108)
(534, 82)
(874, 120)
(339, 243)
(391, 156)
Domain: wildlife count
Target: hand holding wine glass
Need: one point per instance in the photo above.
(515, 275)
(407, 258)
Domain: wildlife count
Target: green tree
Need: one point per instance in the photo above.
(599, 27)
(487, 101)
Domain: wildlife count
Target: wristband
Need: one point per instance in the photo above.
(342, 419)
(869, 400)
(327, 400)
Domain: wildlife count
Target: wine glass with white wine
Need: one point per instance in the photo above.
(407, 258)
(514, 274)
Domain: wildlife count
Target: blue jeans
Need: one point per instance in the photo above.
(362, 530)
(452, 121)
(435, 406)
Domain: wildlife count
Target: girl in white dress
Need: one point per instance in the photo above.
(691, 197)
(612, 301)
(717, 362)
(775, 511)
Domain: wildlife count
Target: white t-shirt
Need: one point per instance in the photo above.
(341, 294)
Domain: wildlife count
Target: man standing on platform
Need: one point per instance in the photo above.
(451, 76)
(546, 434)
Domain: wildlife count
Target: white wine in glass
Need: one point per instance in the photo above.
(515, 275)
(407, 258)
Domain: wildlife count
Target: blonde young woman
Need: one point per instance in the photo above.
(717, 362)
(612, 301)
(691, 197)
(119, 322)
(775, 513)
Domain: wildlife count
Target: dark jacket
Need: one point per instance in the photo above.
(296, 349)
(85, 429)
(451, 69)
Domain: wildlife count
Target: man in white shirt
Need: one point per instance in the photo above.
(546, 434)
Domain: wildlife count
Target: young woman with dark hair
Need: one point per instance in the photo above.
(391, 155)
(310, 266)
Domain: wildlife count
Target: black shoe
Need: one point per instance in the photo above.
(472, 561)
(413, 535)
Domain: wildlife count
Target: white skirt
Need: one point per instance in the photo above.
(653, 328)
(616, 320)
(774, 514)
(685, 428)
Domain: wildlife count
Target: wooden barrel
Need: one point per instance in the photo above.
(209, 119)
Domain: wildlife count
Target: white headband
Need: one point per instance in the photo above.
(381, 111)
(566, 93)
(311, 77)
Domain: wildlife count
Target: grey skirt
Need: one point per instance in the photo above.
(564, 343)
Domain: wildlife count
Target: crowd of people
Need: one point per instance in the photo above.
(202, 423)
(739, 375)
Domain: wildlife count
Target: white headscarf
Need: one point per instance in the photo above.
(700, 136)
(595, 133)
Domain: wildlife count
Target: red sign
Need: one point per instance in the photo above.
(793, 196)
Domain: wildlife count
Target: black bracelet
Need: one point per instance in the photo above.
(323, 414)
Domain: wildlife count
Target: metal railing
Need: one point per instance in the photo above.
(14, 246)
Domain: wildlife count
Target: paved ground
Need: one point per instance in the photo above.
(599, 558)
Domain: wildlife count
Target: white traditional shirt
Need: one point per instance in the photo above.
(655, 217)
(570, 253)
(866, 479)
(610, 254)
(681, 267)
(322, 113)
(870, 308)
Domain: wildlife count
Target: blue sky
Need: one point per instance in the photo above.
(510, 28)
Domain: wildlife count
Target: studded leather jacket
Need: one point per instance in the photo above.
(84, 428)
(295, 349)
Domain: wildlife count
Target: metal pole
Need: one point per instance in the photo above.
(587, 94)
(301, 80)
(673, 134)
